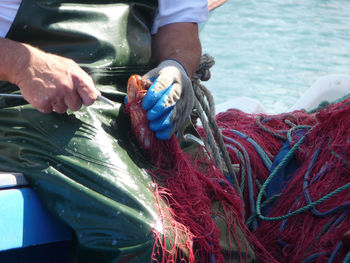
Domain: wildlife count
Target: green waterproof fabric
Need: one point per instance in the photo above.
(110, 39)
(83, 171)
(85, 166)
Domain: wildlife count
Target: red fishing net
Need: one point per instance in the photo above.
(295, 229)
(314, 234)
(186, 188)
(304, 221)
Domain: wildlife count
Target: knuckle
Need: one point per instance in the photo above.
(70, 62)
(45, 109)
(41, 105)
(75, 107)
(89, 101)
(60, 109)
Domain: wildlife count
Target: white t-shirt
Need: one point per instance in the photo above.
(8, 11)
(169, 11)
(174, 11)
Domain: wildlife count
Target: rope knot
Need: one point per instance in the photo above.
(203, 72)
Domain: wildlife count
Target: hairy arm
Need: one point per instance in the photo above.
(47, 81)
(178, 41)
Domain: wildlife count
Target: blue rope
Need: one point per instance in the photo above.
(213, 257)
(284, 223)
(242, 167)
(315, 256)
(335, 252)
(249, 178)
(338, 220)
(347, 258)
(265, 203)
(256, 146)
(306, 188)
(261, 119)
(302, 209)
(284, 162)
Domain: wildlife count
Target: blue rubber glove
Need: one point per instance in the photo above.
(169, 101)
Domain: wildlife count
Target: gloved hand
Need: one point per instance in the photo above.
(169, 100)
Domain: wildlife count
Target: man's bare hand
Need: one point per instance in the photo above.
(50, 82)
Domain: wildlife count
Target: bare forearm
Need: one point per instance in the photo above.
(47, 81)
(12, 56)
(178, 41)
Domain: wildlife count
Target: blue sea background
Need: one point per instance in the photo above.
(272, 51)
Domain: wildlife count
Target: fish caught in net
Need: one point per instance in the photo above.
(192, 196)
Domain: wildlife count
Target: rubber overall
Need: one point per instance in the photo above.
(83, 167)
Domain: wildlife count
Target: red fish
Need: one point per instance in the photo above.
(137, 89)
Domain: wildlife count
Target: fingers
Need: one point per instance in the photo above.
(152, 97)
(160, 108)
(165, 134)
(73, 102)
(169, 100)
(59, 106)
(86, 90)
(45, 109)
(152, 74)
(61, 98)
(55, 83)
(81, 90)
(162, 122)
(164, 80)
(163, 126)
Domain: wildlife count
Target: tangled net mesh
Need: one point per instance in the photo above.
(297, 204)
(186, 186)
(294, 207)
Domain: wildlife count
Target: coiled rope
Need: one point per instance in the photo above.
(205, 108)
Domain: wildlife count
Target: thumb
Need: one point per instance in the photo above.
(152, 74)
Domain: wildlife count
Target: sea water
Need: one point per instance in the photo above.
(274, 50)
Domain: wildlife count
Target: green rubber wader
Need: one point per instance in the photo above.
(85, 166)
(85, 169)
